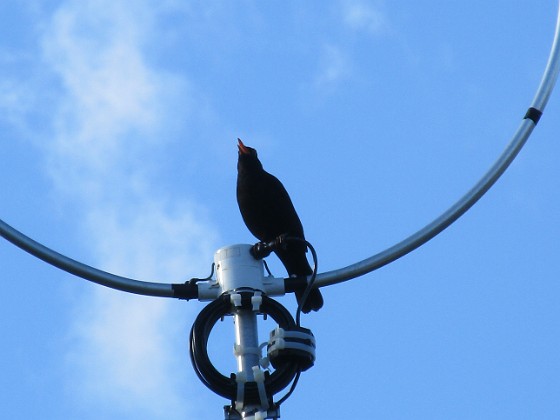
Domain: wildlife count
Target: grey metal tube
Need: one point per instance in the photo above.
(436, 226)
(82, 270)
(471, 197)
(247, 342)
(551, 71)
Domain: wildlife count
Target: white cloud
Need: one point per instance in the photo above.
(13, 102)
(17, 98)
(123, 355)
(150, 238)
(336, 63)
(365, 16)
(112, 97)
(111, 107)
(125, 349)
(334, 67)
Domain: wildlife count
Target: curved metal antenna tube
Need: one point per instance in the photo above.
(82, 270)
(436, 226)
(551, 71)
(471, 197)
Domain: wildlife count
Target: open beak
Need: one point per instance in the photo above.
(242, 148)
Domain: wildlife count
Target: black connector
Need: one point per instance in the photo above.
(186, 291)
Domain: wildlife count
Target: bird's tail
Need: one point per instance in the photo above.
(314, 300)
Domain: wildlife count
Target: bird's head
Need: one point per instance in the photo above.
(245, 150)
(247, 158)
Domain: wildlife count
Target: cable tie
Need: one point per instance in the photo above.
(239, 350)
(256, 301)
(264, 362)
(278, 343)
(259, 377)
(235, 299)
(261, 415)
(278, 332)
(241, 379)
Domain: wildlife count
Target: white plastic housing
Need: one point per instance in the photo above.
(236, 268)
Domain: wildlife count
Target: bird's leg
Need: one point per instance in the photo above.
(280, 241)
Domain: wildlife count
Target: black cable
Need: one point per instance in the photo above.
(196, 279)
(309, 286)
(199, 335)
(209, 375)
(262, 250)
(266, 268)
(290, 391)
(303, 298)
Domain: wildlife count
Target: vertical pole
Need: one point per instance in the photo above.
(247, 354)
(236, 272)
(246, 342)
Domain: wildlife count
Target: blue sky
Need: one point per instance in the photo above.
(118, 127)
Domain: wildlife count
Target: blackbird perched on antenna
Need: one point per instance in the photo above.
(268, 212)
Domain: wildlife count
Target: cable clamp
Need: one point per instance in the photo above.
(291, 346)
(259, 377)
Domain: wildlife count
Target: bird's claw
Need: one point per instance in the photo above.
(280, 241)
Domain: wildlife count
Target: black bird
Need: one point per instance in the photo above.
(268, 212)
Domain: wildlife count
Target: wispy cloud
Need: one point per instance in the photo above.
(13, 102)
(334, 67)
(110, 114)
(111, 96)
(336, 62)
(122, 358)
(365, 16)
(17, 95)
